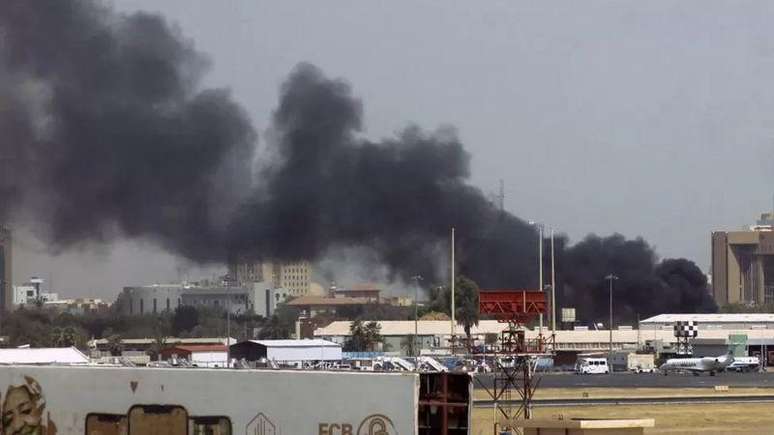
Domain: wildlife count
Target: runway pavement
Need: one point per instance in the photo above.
(647, 380)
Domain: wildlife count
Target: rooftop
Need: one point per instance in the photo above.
(712, 318)
(43, 355)
(325, 301)
(295, 343)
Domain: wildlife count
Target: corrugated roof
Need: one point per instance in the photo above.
(193, 348)
(296, 343)
(442, 328)
(712, 318)
(44, 355)
(325, 301)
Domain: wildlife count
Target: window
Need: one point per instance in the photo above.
(157, 420)
(167, 304)
(106, 424)
(142, 307)
(154, 305)
(209, 426)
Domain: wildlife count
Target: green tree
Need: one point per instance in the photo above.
(274, 329)
(466, 302)
(363, 337)
(66, 336)
(161, 329)
(115, 344)
(184, 319)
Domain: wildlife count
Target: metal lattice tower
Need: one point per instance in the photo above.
(515, 358)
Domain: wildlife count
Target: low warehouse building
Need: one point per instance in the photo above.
(286, 350)
(203, 355)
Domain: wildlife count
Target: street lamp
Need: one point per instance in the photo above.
(540, 227)
(611, 278)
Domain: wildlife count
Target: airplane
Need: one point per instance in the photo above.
(698, 365)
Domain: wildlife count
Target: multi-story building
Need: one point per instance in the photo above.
(6, 265)
(743, 266)
(293, 276)
(158, 298)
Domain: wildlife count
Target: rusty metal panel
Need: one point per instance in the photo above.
(512, 305)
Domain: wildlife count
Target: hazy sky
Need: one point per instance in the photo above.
(652, 119)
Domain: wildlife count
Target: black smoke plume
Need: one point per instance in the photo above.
(107, 133)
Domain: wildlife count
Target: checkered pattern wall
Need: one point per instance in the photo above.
(686, 329)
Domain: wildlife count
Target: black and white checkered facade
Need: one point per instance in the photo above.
(686, 329)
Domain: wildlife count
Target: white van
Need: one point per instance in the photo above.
(592, 366)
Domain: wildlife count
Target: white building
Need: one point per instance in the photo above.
(43, 355)
(287, 350)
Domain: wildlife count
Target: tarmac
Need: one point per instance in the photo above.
(646, 380)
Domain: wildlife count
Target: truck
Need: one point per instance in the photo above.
(641, 363)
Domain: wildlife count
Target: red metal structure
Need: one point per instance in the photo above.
(519, 306)
(515, 359)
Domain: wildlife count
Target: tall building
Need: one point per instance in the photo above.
(293, 276)
(743, 266)
(6, 265)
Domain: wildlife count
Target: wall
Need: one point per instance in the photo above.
(304, 353)
(61, 398)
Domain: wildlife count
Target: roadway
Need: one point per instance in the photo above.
(646, 380)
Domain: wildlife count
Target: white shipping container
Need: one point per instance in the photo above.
(148, 401)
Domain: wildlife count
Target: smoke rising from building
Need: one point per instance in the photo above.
(107, 133)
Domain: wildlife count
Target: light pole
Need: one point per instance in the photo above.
(227, 284)
(539, 227)
(611, 278)
(417, 278)
(553, 286)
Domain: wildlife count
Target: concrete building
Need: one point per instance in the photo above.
(266, 299)
(293, 276)
(30, 293)
(158, 298)
(314, 305)
(743, 266)
(6, 267)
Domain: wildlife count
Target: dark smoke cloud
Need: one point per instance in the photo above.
(645, 287)
(105, 132)
(400, 196)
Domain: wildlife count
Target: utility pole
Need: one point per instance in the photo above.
(453, 321)
(227, 284)
(611, 278)
(553, 286)
(417, 278)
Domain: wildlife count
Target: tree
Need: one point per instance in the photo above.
(274, 329)
(160, 334)
(115, 345)
(363, 337)
(184, 319)
(466, 303)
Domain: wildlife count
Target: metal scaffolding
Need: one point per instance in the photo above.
(515, 358)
